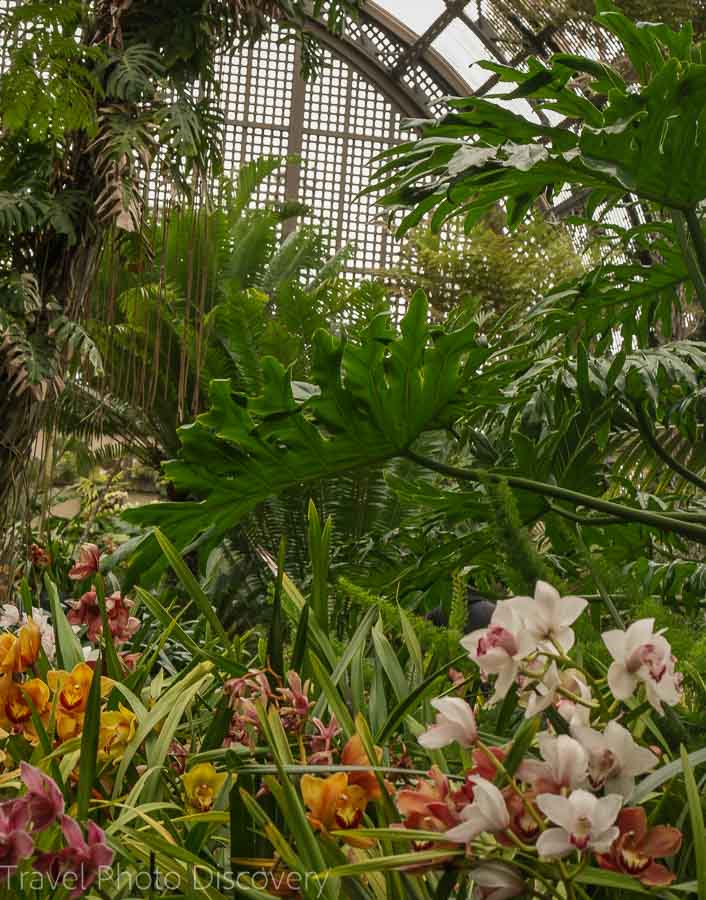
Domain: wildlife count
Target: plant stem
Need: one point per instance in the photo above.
(627, 513)
(697, 276)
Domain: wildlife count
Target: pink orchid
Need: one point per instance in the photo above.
(82, 859)
(15, 843)
(547, 616)
(496, 881)
(321, 742)
(585, 822)
(86, 611)
(430, 806)
(44, 800)
(614, 758)
(454, 722)
(565, 765)
(501, 648)
(640, 654)
(488, 812)
(88, 562)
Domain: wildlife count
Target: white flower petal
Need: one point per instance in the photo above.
(621, 683)
(557, 809)
(554, 843)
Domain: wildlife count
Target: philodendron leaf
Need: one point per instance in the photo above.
(376, 396)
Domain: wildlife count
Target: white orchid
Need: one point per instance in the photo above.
(641, 654)
(585, 822)
(564, 764)
(454, 722)
(551, 690)
(548, 616)
(501, 648)
(488, 812)
(614, 758)
(496, 881)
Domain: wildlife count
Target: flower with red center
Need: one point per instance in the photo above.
(87, 564)
(642, 655)
(501, 648)
(614, 758)
(584, 822)
(636, 847)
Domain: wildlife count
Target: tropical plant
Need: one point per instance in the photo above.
(96, 99)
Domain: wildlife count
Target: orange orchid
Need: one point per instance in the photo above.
(18, 653)
(335, 803)
(354, 754)
(17, 705)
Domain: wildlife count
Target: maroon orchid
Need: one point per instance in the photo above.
(44, 800)
(81, 860)
(636, 847)
(15, 842)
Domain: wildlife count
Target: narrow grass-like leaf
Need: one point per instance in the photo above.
(300, 641)
(662, 775)
(164, 617)
(330, 692)
(385, 863)
(412, 642)
(412, 699)
(696, 815)
(319, 546)
(68, 647)
(192, 587)
(390, 663)
(89, 743)
(353, 647)
(275, 644)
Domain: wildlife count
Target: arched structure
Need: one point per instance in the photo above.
(399, 59)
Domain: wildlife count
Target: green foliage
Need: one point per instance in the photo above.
(375, 397)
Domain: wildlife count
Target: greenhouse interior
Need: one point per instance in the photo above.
(352, 458)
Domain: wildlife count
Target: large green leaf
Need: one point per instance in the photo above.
(375, 398)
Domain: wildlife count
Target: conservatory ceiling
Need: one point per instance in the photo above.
(400, 59)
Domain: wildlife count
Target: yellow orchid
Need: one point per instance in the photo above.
(202, 785)
(117, 729)
(72, 689)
